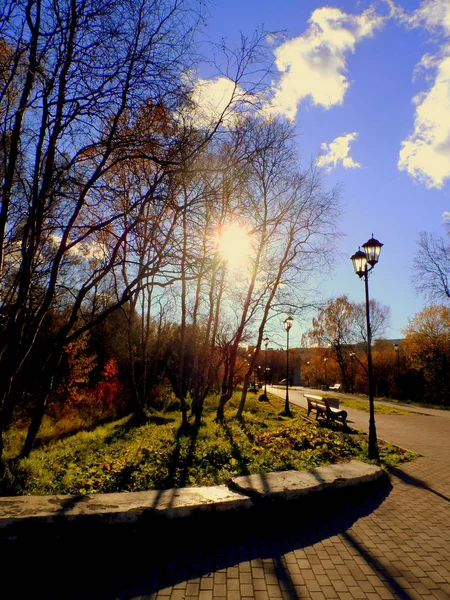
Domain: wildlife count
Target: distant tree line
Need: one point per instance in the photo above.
(415, 368)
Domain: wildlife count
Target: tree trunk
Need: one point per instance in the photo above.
(244, 394)
(35, 425)
(220, 415)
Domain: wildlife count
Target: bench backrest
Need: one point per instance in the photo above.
(331, 402)
(313, 397)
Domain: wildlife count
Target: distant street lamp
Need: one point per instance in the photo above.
(325, 359)
(287, 325)
(266, 343)
(361, 261)
(352, 359)
(397, 351)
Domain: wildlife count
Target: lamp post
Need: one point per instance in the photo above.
(397, 352)
(363, 263)
(325, 359)
(287, 325)
(352, 358)
(266, 343)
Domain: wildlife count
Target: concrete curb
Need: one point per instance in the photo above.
(18, 515)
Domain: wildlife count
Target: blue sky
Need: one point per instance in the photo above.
(376, 104)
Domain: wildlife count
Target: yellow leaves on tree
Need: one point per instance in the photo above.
(428, 335)
(81, 363)
(427, 347)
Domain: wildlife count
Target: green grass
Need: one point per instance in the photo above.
(380, 409)
(119, 456)
(417, 404)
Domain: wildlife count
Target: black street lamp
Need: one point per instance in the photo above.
(325, 360)
(363, 263)
(266, 343)
(352, 359)
(397, 352)
(287, 325)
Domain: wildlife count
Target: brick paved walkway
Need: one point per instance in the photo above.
(393, 545)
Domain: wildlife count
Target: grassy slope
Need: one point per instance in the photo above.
(121, 457)
(381, 409)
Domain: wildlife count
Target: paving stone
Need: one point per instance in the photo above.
(192, 589)
(232, 573)
(259, 584)
(206, 583)
(257, 573)
(246, 589)
(274, 591)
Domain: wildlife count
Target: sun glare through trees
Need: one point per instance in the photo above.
(234, 247)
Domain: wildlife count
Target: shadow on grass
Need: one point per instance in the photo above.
(245, 429)
(43, 441)
(121, 431)
(179, 465)
(236, 451)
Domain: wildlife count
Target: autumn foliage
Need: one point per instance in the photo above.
(427, 348)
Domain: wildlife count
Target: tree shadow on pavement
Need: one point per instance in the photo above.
(140, 562)
(385, 572)
(415, 481)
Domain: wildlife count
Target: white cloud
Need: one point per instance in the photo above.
(425, 154)
(93, 250)
(215, 99)
(446, 216)
(432, 14)
(338, 151)
(314, 64)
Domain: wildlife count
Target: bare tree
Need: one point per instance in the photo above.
(87, 88)
(286, 214)
(431, 267)
(341, 325)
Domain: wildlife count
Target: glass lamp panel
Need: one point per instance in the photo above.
(359, 260)
(288, 323)
(372, 249)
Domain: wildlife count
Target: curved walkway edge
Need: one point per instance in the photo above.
(243, 493)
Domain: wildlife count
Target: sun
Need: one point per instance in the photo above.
(234, 246)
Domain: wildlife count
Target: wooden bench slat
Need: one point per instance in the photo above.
(328, 407)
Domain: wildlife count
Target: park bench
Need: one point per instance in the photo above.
(327, 408)
(336, 387)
